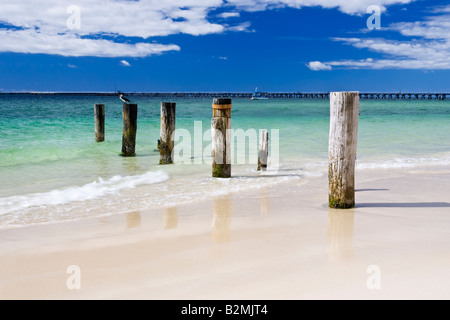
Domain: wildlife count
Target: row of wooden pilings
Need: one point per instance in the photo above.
(344, 115)
(129, 115)
(220, 126)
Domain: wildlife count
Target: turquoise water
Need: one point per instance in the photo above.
(51, 167)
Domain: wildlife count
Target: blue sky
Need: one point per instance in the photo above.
(217, 45)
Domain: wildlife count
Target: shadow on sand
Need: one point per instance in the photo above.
(405, 205)
(267, 176)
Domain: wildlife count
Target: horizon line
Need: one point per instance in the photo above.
(214, 92)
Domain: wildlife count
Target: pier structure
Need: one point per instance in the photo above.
(247, 95)
(404, 96)
(302, 95)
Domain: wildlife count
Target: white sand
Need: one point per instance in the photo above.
(276, 243)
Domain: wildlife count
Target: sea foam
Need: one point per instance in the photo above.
(89, 191)
(398, 163)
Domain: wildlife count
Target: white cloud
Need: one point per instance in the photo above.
(427, 46)
(125, 63)
(441, 9)
(227, 15)
(346, 6)
(240, 27)
(318, 66)
(30, 41)
(44, 26)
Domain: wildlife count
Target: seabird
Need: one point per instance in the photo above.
(124, 99)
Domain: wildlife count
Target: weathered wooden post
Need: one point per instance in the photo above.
(221, 138)
(263, 150)
(129, 115)
(167, 129)
(99, 111)
(344, 112)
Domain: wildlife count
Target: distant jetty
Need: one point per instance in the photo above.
(270, 95)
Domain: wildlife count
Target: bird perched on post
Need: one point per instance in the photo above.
(126, 100)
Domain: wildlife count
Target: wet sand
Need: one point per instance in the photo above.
(280, 242)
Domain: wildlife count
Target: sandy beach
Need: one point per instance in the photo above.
(279, 242)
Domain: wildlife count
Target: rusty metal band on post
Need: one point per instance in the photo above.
(222, 106)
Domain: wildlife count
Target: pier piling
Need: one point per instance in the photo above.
(129, 115)
(221, 138)
(344, 112)
(263, 150)
(99, 111)
(166, 144)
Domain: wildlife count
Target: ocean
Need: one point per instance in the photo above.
(52, 170)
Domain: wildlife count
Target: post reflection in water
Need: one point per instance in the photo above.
(170, 218)
(133, 219)
(101, 165)
(340, 234)
(264, 203)
(131, 166)
(221, 230)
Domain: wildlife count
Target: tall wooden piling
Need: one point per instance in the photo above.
(129, 115)
(99, 111)
(221, 138)
(263, 150)
(344, 112)
(166, 144)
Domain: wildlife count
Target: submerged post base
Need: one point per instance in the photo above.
(339, 204)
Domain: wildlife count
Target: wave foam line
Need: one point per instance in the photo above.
(89, 191)
(406, 163)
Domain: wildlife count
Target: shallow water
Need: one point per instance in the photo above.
(51, 169)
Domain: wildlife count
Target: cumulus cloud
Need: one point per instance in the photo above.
(125, 63)
(91, 28)
(30, 41)
(318, 66)
(45, 26)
